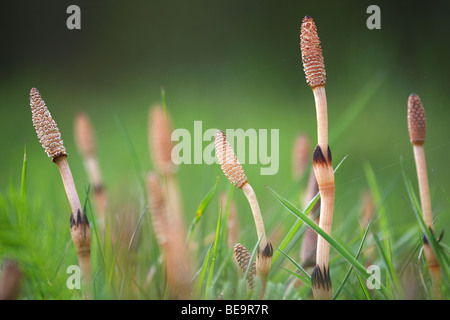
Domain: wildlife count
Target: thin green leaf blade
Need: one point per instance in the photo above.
(333, 243)
(201, 208)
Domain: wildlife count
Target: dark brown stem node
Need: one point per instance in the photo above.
(320, 159)
(267, 251)
(320, 278)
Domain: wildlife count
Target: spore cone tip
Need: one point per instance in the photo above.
(46, 128)
(312, 57)
(228, 161)
(416, 120)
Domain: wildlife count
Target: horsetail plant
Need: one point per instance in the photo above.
(171, 217)
(417, 133)
(314, 68)
(170, 239)
(234, 172)
(160, 145)
(85, 139)
(50, 138)
(157, 205)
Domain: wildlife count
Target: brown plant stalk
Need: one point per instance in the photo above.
(170, 239)
(85, 139)
(417, 134)
(314, 68)
(232, 222)
(10, 280)
(160, 145)
(170, 219)
(50, 138)
(234, 172)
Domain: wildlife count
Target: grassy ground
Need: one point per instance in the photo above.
(240, 83)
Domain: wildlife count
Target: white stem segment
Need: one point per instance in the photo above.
(175, 212)
(325, 223)
(177, 255)
(251, 197)
(69, 185)
(84, 259)
(93, 169)
(322, 117)
(422, 176)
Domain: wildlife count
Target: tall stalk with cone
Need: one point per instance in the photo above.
(85, 139)
(50, 138)
(168, 215)
(234, 172)
(417, 133)
(314, 68)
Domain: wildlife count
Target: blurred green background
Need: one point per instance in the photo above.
(231, 64)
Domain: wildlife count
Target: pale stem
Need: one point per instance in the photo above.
(69, 184)
(251, 197)
(84, 260)
(422, 176)
(93, 170)
(325, 222)
(175, 212)
(84, 255)
(177, 257)
(322, 118)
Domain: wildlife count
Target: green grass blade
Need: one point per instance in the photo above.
(288, 239)
(364, 288)
(339, 289)
(93, 223)
(298, 276)
(113, 261)
(226, 214)
(201, 208)
(136, 228)
(23, 183)
(357, 105)
(306, 278)
(214, 254)
(252, 258)
(163, 98)
(132, 151)
(376, 193)
(199, 283)
(416, 208)
(388, 263)
(333, 243)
